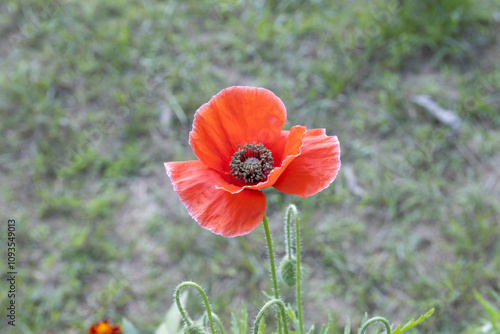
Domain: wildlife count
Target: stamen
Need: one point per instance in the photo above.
(252, 163)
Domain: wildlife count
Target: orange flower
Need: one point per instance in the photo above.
(241, 147)
(104, 328)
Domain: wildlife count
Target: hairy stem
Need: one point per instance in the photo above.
(280, 311)
(373, 320)
(217, 320)
(293, 208)
(288, 234)
(272, 265)
(184, 315)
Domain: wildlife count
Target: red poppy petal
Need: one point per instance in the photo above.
(309, 133)
(292, 145)
(314, 169)
(219, 211)
(315, 133)
(235, 116)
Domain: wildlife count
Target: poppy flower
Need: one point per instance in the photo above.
(241, 148)
(104, 327)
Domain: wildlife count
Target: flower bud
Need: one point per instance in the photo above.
(194, 328)
(288, 268)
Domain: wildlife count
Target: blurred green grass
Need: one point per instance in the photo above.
(96, 95)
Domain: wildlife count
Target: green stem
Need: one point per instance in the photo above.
(184, 315)
(293, 208)
(219, 323)
(281, 308)
(217, 320)
(376, 319)
(273, 266)
(288, 235)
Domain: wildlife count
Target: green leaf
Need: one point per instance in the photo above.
(267, 295)
(172, 323)
(239, 321)
(365, 318)
(412, 323)
(262, 327)
(326, 329)
(347, 328)
(128, 328)
(292, 316)
(311, 330)
(162, 329)
(492, 310)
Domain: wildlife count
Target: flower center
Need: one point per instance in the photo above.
(252, 163)
(102, 328)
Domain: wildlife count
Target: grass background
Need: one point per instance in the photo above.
(96, 95)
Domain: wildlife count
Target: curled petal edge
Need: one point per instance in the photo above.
(221, 212)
